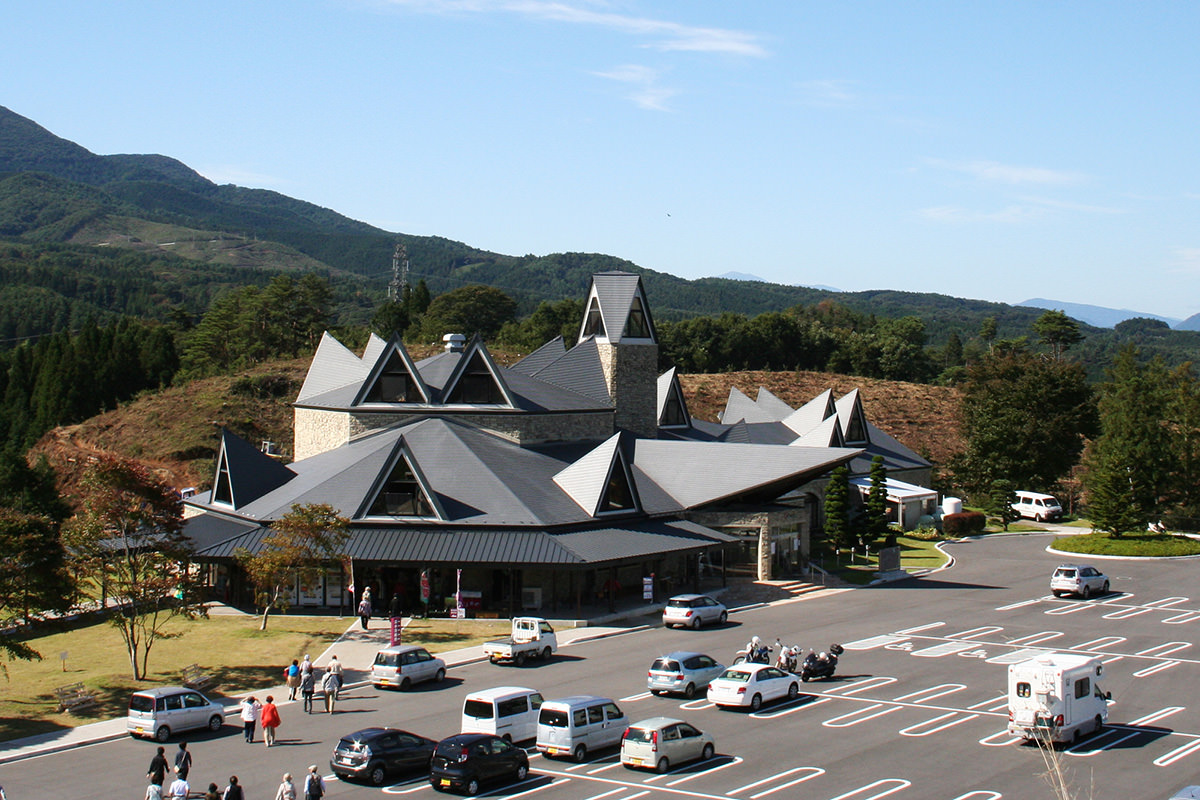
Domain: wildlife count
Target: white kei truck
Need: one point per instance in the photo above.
(1056, 698)
(532, 637)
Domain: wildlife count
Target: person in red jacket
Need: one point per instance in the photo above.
(270, 720)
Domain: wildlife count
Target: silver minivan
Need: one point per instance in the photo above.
(158, 713)
(510, 712)
(403, 665)
(571, 726)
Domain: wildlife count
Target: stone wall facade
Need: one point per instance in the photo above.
(317, 431)
(631, 372)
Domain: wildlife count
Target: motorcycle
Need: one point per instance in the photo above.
(788, 659)
(760, 655)
(823, 665)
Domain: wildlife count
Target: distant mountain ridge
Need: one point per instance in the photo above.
(1099, 316)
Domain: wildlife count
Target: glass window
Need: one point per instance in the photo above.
(579, 717)
(1022, 689)
(671, 733)
(479, 709)
(516, 705)
(637, 327)
(593, 325)
(611, 710)
(174, 702)
(401, 495)
(395, 384)
(553, 717)
(595, 714)
(193, 700)
(1083, 687)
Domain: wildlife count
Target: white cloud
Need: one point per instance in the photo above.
(957, 214)
(665, 35)
(995, 172)
(647, 93)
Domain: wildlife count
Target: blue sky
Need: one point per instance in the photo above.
(991, 150)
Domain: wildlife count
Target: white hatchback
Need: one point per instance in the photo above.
(751, 685)
(693, 610)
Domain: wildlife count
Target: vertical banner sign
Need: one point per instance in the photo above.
(459, 611)
(396, 628)
(648, 587)
(425, 586)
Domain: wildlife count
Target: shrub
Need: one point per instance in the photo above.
(924, 534)
(964, 523)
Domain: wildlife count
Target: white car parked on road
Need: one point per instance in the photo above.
(751, 685)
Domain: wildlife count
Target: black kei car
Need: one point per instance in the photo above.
(463, 762)
(373, 753)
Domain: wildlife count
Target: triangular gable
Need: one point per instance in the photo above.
(244, 473)
(401, 490)
(827, 434)
(601, 482)
(771, 405)
(616, 309)
(854, 421)
(739, 408)
(672, 407)
(545, 355)
(808, 416)
(333, 366)
(580, 371)
(476, 380)
(393, 378)
(375, 346)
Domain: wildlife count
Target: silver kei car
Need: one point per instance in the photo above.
(692, 611)
(1081, 579)
(682, 673)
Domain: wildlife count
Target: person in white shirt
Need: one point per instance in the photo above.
(250, 709)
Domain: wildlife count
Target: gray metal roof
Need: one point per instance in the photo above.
(579, 370)
(333, 366)
(546, 354)
(252, 473)
(615, 290)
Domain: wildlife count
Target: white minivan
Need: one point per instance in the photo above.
(510, 712)
(572, 726)
(1037, 506)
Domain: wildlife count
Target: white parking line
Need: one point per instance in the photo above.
(633, 698)
(815, 771)
(995, 703)
(920, 628)
(1023, 654)
(546, 785)
(1036, 638)
(1157, 715)
(1067, 608)
(899, 784)
(1103, 643)
(861, 686)
(1077, 750)
(1011, 606)
(924, 694)
(606, 794)
(975, 633)
(1166, 602)
(860, 715)
(873, 642)
(1131, 611)
(791, 709)
(1178, 753)
(787, 785)
(1164, 649)
(1008, 738)
(1148, 671)
(943, 649)
(696, 705)
(1179, 619)
(604, 768)
(980, 794)
(920, 728)
(733, 762)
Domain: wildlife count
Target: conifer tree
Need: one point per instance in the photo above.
(837, 508)
(875, 525)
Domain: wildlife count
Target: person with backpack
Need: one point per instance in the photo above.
(314, 784)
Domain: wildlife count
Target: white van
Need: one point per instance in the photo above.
(1037, 506)
(574, 725)
(510, 712)
(1056, 697)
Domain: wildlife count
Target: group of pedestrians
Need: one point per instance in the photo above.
(179, 788)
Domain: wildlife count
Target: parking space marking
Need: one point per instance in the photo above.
(733, 762)
(1179, 619)
(604, 768)
(947, 688)
(791, 709)
(873, 642)
(980, 794)
(861, 686)
(1148, 671)
(1067, 608)
(1179, 752)
(920, 628)
(974, 633)
(994, 704)
(1167, 602)
(696, 705)
(1150, 719)
(1018, 655)
(812, 772)
(633, 698)
(944, 649)
(1079, 750)
(1129, 611)
(1036, 638)
(860, 715)
(1112, 598)
(606, 794)
(1008, 738)
(1011, 606)
(549, 784)
(1103, 643)
(900, 784)
(1165, 649)
(921, 729)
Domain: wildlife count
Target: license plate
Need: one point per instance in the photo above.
(385, 681)
(139, 730)
(637, 762)
(445, 781)
(554, 751)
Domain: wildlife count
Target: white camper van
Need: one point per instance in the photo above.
(1056, 697)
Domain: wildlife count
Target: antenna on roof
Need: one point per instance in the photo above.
(398, 286)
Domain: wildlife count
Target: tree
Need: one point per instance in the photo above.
(875, 526)
(1025, 420)
(1000, 502)
(390, 319)
(129, 543)
(1058, 332)
(300, 544)
(468, 310)
(837, 508)
(988, 330)
(33, 578)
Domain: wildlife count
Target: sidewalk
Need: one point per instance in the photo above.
(356, 650)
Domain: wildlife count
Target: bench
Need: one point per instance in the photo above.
(74, 697)
(196, 678)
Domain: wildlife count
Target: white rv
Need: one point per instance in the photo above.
(1056, 697)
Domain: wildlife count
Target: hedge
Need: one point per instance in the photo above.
(963, 523)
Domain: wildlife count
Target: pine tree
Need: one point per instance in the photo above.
(837, 508)
(1000, 502)
(875, 525)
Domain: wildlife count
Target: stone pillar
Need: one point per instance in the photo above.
(631, 372)
(764, 553)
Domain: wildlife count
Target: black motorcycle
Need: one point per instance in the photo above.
(823, 665)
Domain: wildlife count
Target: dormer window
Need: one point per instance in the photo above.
(477, 385)
(593, 324)
(636, 327)
(402, 495)
(617, 494)
(395, 384)
(223, 486)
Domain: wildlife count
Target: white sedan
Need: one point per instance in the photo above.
(752, 685)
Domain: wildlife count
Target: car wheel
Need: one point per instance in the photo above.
(439, 676)
(405, 685)
(522, 771)
(1098, 725)
(708, 752)
(696, 624)
(793, 690)
(756, 702)
(546, 654)
(1076, 736)
(724, 617)
(162, 734)
(1086, 594)
(1104, 588)
(215, 722)
(521, 659)
(689, 691)
(656, 692)
(472, 786)
(579, 753)
(663, 765)
(376, 775)
(1038, 518)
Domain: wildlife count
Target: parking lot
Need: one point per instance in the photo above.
(917, 710)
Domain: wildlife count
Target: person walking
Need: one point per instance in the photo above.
(250, 709)
(158, 768)
(179, 789)
(335, 667)
(292, 674)
(287, 789)
(364, 611)
(314, 784)
(306, 665)
(270, 720)
(153, 792)
(183, 761)
(330, 683)
(213, 793)
(308, 685)
(233, 791)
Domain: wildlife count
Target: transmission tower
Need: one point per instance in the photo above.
(398, 286)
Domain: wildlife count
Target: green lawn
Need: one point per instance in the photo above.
(915, 554)
(1140, 544)
(230, 648)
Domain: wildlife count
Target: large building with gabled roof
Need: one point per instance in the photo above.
(529, 486)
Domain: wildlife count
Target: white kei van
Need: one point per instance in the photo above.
(510, 712)
(1037, 506)
(571, 726)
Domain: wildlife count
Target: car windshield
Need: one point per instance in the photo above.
(451, 750)
(351, 745)
(141, 702)
(639, 735)
(737, 675)
(665, 665)
(675, 602)
(1064, 573)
